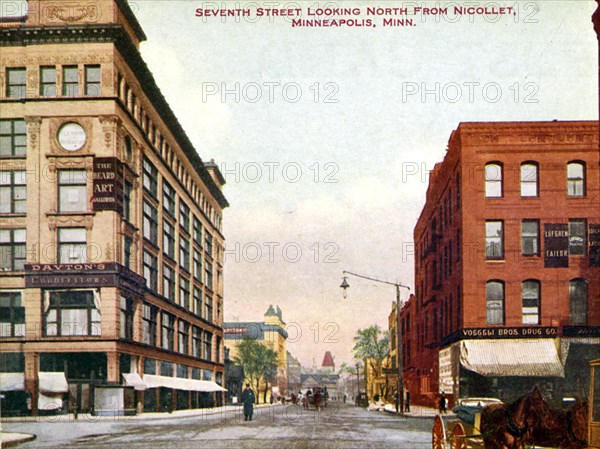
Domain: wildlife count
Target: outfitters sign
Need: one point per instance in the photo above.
(108, 184)
(556, 245)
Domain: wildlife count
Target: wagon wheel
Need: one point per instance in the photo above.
(458, 439)
(438, 433)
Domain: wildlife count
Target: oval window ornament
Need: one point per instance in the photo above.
(71, 136)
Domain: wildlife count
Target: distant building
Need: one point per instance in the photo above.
(322, 377)
(294, 373)
(270, 332)
(328, 365)
(507, 264)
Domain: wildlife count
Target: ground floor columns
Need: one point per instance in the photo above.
(113, 369)
(32, 363)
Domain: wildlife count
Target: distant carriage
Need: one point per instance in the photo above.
(485, 423)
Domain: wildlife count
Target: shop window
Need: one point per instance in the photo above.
(72, 313)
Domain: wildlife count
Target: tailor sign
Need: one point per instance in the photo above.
(556, 245)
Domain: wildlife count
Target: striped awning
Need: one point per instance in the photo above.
(520, 357)
(207, 386)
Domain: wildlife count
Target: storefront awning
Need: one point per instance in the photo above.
(12, 382)
(153, 381)
(512, 357)
(134, 380)
(53, 383)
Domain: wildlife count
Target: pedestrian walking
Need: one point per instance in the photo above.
(248, 400)
(407, 402)
(345, 397)
(318, 399)
(396, 400)
(443, 403)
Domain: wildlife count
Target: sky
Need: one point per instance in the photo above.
(326, 136)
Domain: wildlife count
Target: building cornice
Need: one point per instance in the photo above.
(116, 34)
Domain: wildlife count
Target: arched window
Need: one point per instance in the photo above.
(578, 301)
(494, 302)
(530, 294)
(529, 179)
(576, 179)
(493, 180)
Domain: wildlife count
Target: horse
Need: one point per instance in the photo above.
(509, 426)
(563, 429)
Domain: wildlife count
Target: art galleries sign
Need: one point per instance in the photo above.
(556, 245)
(108, 184)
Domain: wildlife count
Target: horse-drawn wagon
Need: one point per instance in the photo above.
(484, 423)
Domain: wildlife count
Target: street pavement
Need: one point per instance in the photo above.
(339, 426)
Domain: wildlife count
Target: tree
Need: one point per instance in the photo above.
(257, 360)
(373, 346)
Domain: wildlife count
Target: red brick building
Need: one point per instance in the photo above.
(507, 264)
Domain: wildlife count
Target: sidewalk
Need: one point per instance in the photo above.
(417, 411)
(8, 439)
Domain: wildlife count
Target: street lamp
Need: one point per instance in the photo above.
(399, 355)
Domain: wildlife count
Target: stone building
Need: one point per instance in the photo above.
(111, 244)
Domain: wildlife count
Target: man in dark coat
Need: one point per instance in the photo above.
(248, 400)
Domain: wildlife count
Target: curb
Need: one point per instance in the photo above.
(15, 438)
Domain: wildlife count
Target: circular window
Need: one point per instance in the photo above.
(71, 136)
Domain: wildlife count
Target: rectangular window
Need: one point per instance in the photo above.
(150, 178)
(168, 239)
(127, 187)
(208, 240)
(12, 315)
(530, 237)
(13, 192)
(494, 240)
(72, 191)
(16, 82)
(197, 232)
(72, 313)
(48, 81)
(531, 302)
(169, 283)
(169, 199)
(70, 87)
(150, 224)
(92, 80)
(197, 301)
(197, 265)
(494, 299)
(577, 236)
(72, 245)
(208, 309)
(184, 216)
(184, 340)
(127, 251)
(184, 253)
(207, 345)
(168, 332)
(149, 324)
(576, 179)
(12, 249)
(184, 292)
(151, 270)
(126, 322)
(196, 342)
(208, 270)
(529, 180)
(13, 137)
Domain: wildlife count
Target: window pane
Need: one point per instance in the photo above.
(578, 298)
(72, 235)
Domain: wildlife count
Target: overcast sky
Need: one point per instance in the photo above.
(334, 165)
